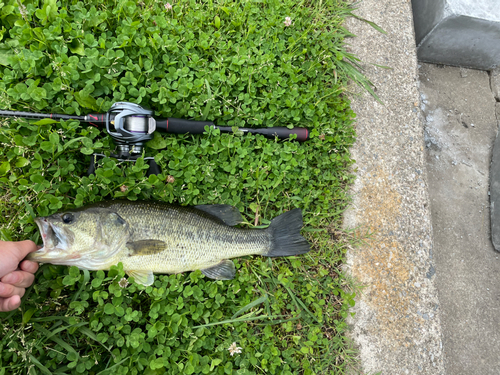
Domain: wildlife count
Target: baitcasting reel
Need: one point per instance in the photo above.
(130, 126)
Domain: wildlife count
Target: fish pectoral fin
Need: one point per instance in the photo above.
(145, 278)
(146, 247)
(228, 214)
(224, 270)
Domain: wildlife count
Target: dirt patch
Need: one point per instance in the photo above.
(382, 263)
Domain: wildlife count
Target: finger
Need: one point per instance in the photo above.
(7, 290)
(11, 303)
(29, 266)
(20, 279)
(26, 247)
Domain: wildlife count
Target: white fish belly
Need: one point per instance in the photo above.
(188, 258)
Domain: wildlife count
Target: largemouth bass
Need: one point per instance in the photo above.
(156, 237)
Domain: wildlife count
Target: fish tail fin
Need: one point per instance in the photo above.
(285, 234)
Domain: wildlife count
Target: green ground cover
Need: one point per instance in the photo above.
(240, 63)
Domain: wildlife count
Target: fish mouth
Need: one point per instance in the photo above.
(54, 239)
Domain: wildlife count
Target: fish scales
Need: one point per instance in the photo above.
(195, 239)
(155, 237)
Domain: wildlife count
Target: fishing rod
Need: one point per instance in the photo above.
(131, 126)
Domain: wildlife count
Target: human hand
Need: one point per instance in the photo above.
(15, 277)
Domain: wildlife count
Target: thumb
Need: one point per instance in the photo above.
(25, 247)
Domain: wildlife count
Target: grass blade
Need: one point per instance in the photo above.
(250, 305)
(27, 315)
(348, 66)
(279, 321)
(112, 367)
(372, 24)
(50, 335)
(86, 278)
(209, 102)
(302, 305)
(42, 368)
(50, 318)
(93, 336)
(56, 331)
(240, 320)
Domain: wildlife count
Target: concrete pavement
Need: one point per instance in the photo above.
(460, 130)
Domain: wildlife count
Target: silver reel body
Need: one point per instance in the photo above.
(131, 126)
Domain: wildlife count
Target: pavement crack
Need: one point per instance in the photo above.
(497, 112)
(494, 76)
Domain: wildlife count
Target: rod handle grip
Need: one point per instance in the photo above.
(181, 126)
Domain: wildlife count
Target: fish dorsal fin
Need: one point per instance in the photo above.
(227, 213)
(142, 277)
(224, 270)
(146, 247)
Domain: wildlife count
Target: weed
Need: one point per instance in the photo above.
(263, 63)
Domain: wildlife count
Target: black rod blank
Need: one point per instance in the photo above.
(32, 115)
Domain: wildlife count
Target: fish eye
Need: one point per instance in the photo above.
(67, 218)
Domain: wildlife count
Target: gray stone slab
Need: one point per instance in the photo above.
(463, 41)
(426, 15)
(458, 32)
(461, 126)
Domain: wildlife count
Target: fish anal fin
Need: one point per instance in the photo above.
(146, 247)
(225, 270)
(228, 214)
(145, 278)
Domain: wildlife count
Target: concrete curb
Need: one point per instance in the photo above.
(397, 325)
(458, 32)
